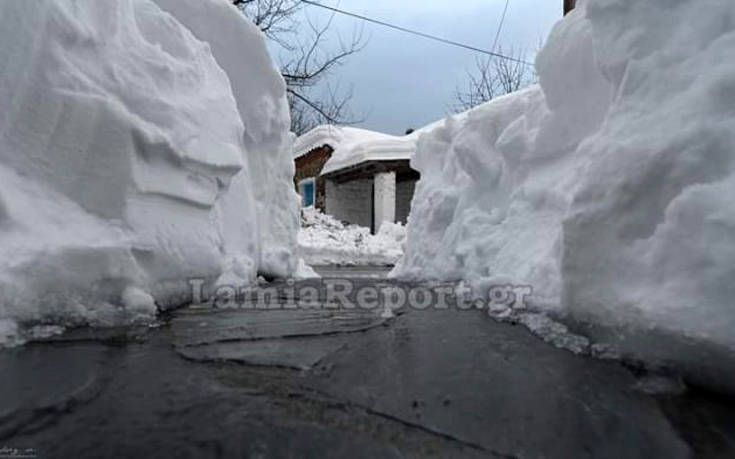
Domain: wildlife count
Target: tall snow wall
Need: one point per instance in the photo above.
(610, 187)
(138, 149)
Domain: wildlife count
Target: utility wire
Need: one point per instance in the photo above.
(414, 32)
(500, 27)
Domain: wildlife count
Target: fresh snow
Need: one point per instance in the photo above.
(258, 89)
(139, 148)
(323, 240)
(353, 146)
(608, 188)
(325, 134)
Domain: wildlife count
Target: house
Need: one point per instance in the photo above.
(357, 176)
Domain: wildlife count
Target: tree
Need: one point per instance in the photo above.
(306, 61)
(493, 77)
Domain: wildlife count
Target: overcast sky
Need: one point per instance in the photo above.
(401, 81)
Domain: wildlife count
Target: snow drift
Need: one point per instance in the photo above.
(323, 240)
(239, 48)
(609, 188)
(130, 161)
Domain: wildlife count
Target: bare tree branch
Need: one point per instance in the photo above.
(330, 108)
(310, 56)
(493, 77)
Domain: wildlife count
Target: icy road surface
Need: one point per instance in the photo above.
(342, 383)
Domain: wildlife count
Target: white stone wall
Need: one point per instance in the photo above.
(385, 198)
(351, 201)
(404, 194)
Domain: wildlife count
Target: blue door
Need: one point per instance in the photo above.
(307, 194)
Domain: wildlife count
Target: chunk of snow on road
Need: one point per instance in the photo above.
(660, 385)
(323, 240)
(9, 333)
(554, 332)
(139, 304)
(304, 271)
(130, 162)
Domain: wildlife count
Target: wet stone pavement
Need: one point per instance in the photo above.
(327, 382)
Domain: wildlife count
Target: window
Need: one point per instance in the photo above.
(306, 189)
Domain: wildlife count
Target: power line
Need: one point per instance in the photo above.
(414, 32)
(500, 26)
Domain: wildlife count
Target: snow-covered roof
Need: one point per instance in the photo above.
(353, 146)
(359, 146)
(319, 136)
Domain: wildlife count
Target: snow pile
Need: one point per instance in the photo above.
(239, 48)
(462, 218)
(609, 188)
(326, 241)
(130, 162)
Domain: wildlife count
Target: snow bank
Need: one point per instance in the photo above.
(462, 209)
(240, 49)
(609, 188)
(324, 240)
(127, 165)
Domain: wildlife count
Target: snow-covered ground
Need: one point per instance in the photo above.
(608, 188)
(326, 241)
(141, 144)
